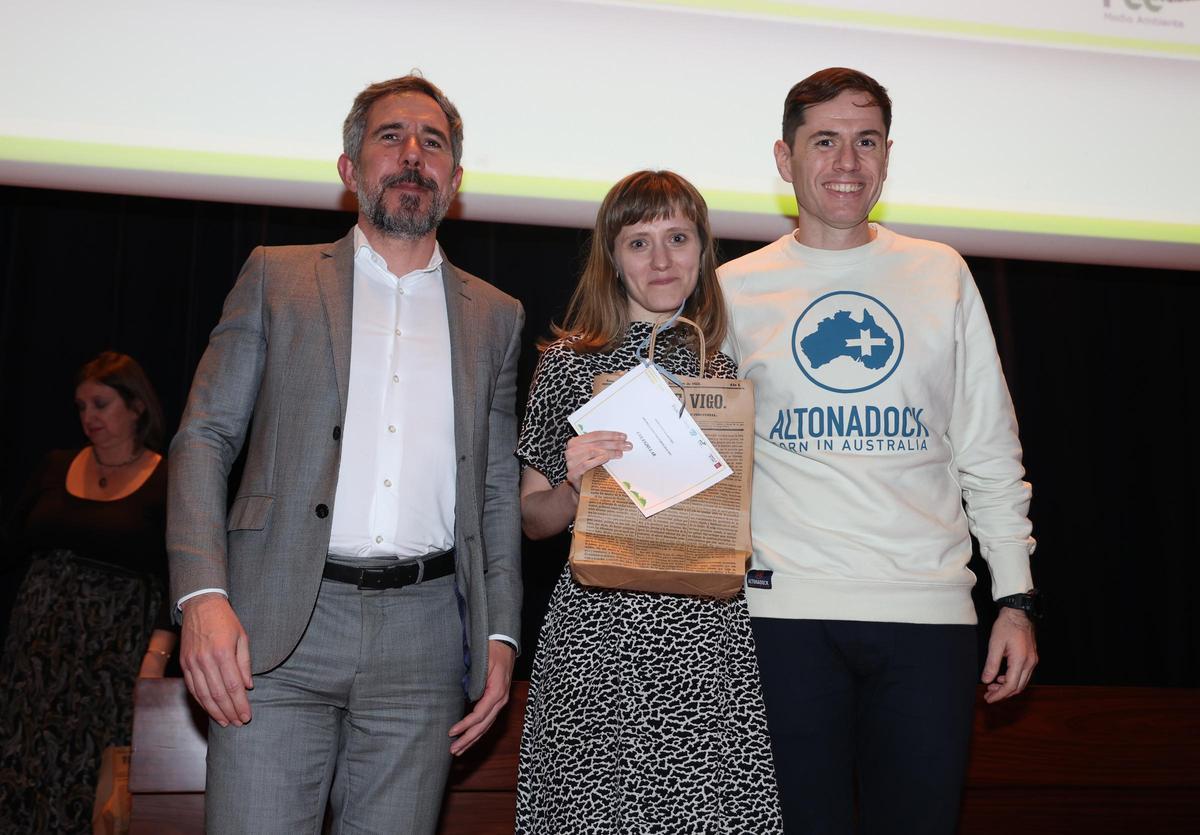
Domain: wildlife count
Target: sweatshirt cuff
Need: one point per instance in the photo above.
(1010, 570)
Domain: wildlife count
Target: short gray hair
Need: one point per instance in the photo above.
(355, 125)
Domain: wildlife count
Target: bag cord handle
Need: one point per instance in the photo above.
(648, 345)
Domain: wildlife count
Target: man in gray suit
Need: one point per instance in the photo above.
(368, 569)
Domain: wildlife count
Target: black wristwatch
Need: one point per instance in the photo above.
(1031, 603)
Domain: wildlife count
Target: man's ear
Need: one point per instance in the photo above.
(345, 167)
(783, 160)
(456, 180)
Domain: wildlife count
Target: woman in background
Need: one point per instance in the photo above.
(645, 711)
(90, 616)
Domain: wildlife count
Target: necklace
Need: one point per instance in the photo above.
(103, 467)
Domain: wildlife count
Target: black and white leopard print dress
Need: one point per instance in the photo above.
(645, 711)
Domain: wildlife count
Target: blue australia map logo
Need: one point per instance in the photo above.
(847, 342)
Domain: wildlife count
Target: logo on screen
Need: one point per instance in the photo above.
(847, 342)
(1138, 5)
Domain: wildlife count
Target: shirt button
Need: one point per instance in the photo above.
(387, 482)
(391, 428)
(395, 378)
(378, 540)
(397, 331)
(322, 511)
(401, 291)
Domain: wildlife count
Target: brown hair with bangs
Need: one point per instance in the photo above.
(598, 313)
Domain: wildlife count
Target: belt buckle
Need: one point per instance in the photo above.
(372, 578)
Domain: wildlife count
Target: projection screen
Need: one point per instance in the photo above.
(1062, 130)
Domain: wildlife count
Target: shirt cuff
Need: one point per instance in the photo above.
(179, 603)
(507, 640)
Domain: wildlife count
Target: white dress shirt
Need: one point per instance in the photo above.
(396, 481)
(397, 478)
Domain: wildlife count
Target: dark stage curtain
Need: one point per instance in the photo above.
(1100, 361)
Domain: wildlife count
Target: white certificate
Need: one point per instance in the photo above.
(671, 458)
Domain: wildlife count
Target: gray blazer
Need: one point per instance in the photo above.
(278, 366)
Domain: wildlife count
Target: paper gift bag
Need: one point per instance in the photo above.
(110, 814)
(700, 546)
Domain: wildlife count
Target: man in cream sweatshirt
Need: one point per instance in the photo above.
(885, 436)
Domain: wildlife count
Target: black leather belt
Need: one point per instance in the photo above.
(393, 576)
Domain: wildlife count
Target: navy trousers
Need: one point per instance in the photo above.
(870, 722)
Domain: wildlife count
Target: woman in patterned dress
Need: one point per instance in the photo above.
(645, 712)
(89, 616)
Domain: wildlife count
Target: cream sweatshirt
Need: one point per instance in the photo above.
(884, 433)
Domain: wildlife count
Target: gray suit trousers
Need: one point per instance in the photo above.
(359, 713)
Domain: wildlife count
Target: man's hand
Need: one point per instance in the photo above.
(1012, 640)
(501, 658)
(215, 657)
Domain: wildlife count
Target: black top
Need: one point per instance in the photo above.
(129, 532)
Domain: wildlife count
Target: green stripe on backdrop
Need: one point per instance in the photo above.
(124, 157)
(928, 25)
(212, 163)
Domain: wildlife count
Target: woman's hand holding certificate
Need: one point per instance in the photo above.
(592, 449)
(667, 457)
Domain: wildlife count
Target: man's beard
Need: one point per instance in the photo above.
(406, 221)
